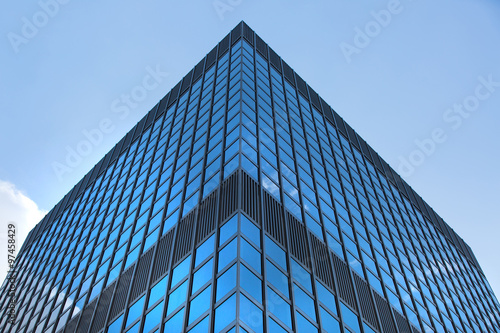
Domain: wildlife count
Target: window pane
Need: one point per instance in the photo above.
(153, 318)
(251, 283)
(225, 313)
(175, 324)
(250, 314)
(200, 304)
(177, 298)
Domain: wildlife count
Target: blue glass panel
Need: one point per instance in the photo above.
(227, 254)
(251, 283)
(303, 325)
(225, 313)
(202, 326)
(274, 327)
(204, 250)
(350, 318)
(116, 326)
(135, 328)
(326, 297)
(304, 302)
(158, 291)
(250, 255)
(251, 315)
(228, 229)
(276, 253)
(202, 276)
(226, 282)
(277, 278)
(180, 271)
(175, 324)
(330, 324)
(278, 307)
(177, 297)
(200, 304)
(301, 275)
(250, 230)
(135, 311)
(153, 318)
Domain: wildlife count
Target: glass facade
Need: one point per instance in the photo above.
(243, 203)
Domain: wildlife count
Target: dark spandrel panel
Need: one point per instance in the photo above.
(378, 163)
(211, 57)
(314, 98)
(87, 314)
(184, 239)
(365, 150)
(207, 217)
(340, 124)
(288, 72)
(160, 266)
(126, 143)
(261, 46)
(151, 116)
(352, 135)
(115, 152)
(142, 274)
(327, 111)
(198, 70)
(301, 85)
(162, 105)
(236, 33)
(224, 45)
(250, 197)
(387, 171)
(229, 196)
(384, 312)
(107, 159)
(344, 282)
(248, 34)
(139, 128)
(121, 293)
(275, 60)
(400, 184)
(71, 326)
(297, 237)
(402, 323)
(365, 301)
(322, 263)
(273, 218)
(102, 309)
(174, 93)
(186, 82)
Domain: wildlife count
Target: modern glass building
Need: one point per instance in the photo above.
(243, 203)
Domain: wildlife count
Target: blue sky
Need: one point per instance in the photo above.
(419, 80)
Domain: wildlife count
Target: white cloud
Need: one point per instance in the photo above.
(18, 209)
